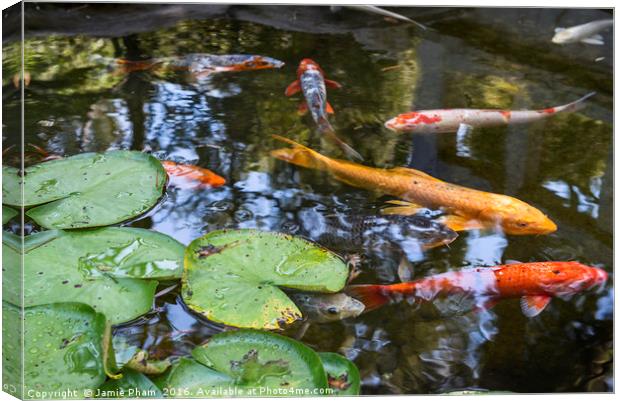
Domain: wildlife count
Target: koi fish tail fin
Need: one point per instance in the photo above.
(576, 105)
(372, 296)
(298, 155)
(326, 128)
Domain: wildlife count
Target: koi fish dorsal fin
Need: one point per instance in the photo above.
(403, 208)
(414, 173)
(532, 305)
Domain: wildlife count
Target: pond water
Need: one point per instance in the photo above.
(474, 58)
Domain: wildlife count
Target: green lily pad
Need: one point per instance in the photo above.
(248, 363)
(343, 377)
(232, 276)
(131, 385)
(111, 269)
(63, 350)
(8, 213)
(87, 190)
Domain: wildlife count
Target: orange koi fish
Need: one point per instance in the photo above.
(205, 178)
(465, 208)
(199, 64)
(311, 82)
(535, 283)
(450, 120)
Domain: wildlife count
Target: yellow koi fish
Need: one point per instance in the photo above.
(465, 208)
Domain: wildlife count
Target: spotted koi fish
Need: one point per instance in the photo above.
(535, 283)
(312, 83)
(450, 120)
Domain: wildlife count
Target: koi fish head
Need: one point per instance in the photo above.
(567, 278)
(518, 218)
(306, 65)
(258, 63)
(408, 122)
(563, 36)
(323, 308)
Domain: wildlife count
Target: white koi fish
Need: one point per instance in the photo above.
(451, 120)
(585, 33)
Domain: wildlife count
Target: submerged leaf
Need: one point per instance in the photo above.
(86, 190)
(111, 269)
(232, 276)
(249, 363)
(62, 349)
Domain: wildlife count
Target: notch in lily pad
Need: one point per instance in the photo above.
(86, 190)
(234, 276)
(250, 363)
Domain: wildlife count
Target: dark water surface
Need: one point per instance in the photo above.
(477, 58)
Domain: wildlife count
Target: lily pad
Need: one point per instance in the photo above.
(131, 385)
(87, 190)
(248, 363)
(8, 213)
(111, 269)
(232, 276)
(343, 377)
(63, 350)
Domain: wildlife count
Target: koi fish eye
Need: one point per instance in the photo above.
(522, 224)
(332, 310)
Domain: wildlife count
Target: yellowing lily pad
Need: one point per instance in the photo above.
(233, 276)
(86, 190)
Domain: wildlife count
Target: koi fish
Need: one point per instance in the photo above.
(585, 33)
(205, 178)
(535, 283)
(200, 64)
(325, 308)
(465, 208)
(353, 233)
(312, 83)
(450, 120)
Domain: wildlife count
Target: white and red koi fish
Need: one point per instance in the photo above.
(535, 283)
(312, 83)
(450, 120)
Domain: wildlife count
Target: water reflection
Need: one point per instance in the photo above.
(563, 166)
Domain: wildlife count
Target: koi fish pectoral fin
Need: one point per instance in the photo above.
(328, 108)
(332, 84)
(532, 305)
(460, 223)
(293, 88)
(402, 208)
(593, 40)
